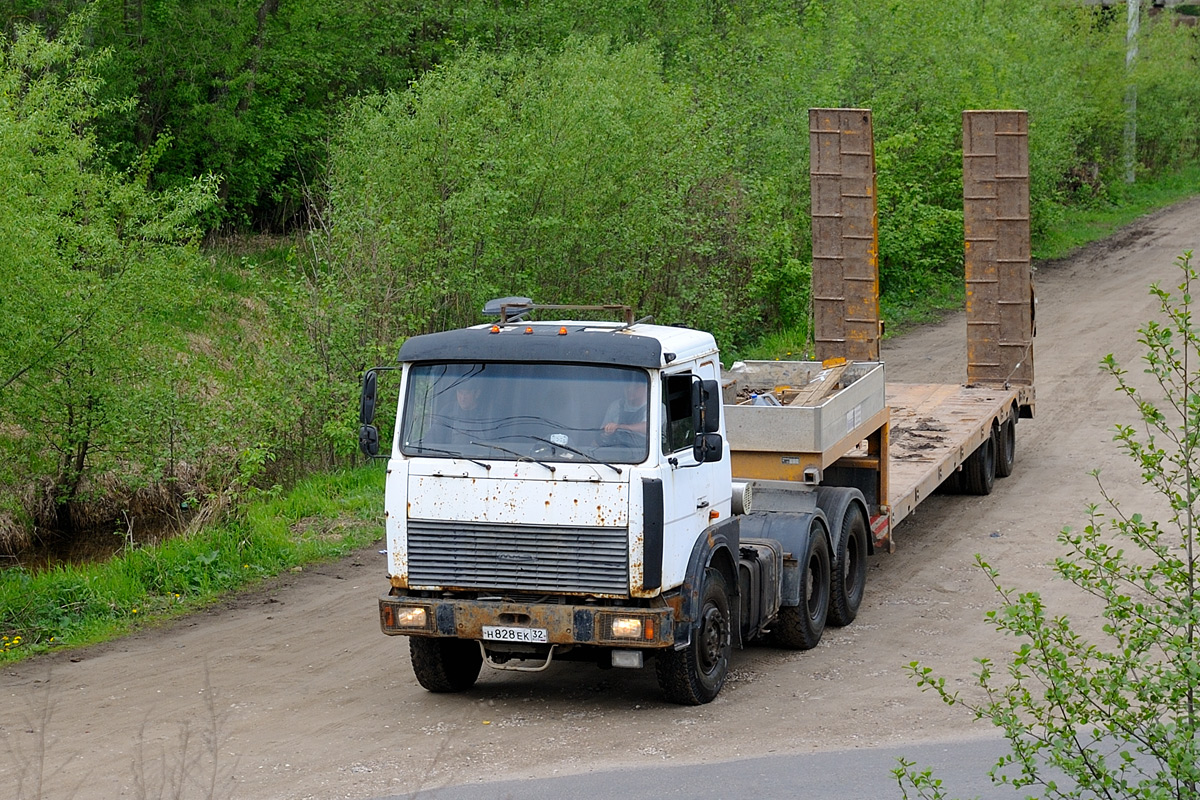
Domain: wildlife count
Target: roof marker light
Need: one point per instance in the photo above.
(562, 331)
(529, 329)
(495, 329)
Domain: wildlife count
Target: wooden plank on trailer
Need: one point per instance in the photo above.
(817, 389)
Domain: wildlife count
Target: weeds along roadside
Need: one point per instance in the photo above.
(322, 517)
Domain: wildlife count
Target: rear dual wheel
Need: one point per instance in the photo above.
(849, 579)
(800, 627)
(1006, 447)
(979, 470)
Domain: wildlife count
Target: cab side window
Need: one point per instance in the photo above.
(677, 432)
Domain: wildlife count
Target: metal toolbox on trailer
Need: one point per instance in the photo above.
(762, 425)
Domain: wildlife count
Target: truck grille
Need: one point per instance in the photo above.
(477, 555)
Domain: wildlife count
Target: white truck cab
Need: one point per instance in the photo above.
(548, 484)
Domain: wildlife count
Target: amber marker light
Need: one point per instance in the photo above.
(714, 514)
(495, 329)
(529, 329)
(562, 331)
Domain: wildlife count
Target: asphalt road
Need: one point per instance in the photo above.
(859, 774)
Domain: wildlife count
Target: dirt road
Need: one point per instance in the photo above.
(292, 692)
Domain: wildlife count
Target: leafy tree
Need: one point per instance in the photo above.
(577, 176)
(93, 263)
(1115, 717)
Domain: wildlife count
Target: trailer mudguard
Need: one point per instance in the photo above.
(716, 547)
(835, 501)
(792, 530)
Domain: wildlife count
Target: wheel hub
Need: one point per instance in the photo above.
(713, 635)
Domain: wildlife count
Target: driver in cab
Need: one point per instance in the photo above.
(628, 413)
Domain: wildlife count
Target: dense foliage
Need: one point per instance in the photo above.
(481, 194)
(525, 173)
(425, 157)
(91, 263)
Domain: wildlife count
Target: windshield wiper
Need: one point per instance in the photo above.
(520, 456)
(591, 458)
(426, 449)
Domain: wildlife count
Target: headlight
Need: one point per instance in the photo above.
(410, 618)
(403, 618)
(627, 628)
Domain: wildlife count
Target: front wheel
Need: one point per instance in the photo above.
(800, 627)
(694, 675)
(445, 665)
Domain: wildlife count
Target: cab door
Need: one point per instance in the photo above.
(694, 495)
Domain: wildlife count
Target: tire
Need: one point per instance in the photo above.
(952, 484)
(1006, 448)
(849, 578)
(445, 665)
(694, 675)
(800, 627)
(979, 470)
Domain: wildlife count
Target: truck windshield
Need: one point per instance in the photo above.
(542, 412)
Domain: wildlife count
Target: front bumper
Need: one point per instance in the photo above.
(564, 624)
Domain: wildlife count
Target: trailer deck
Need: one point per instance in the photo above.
(934, 428)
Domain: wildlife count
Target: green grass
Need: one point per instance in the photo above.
(902, 313)
(1076, 227)
(789, 345)
(322, 518)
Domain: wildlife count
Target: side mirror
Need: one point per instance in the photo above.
(366, 408)
(368, 440)
(708, 447)
(706, 406)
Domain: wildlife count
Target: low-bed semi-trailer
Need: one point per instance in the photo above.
(603, 491)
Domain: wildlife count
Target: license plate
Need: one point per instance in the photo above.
(502, 633)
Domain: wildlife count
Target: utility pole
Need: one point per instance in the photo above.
(1131, 48)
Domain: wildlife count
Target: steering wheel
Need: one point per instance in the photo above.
(623, 437)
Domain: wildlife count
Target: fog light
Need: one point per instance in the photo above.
(627, 659)
(410, 618)
(627, 628)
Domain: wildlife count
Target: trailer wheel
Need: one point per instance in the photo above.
(1006, 448)
(979, 470)
(953, 484)
(445, 665)
(694, 675)
(800, 627)
(849, 579)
